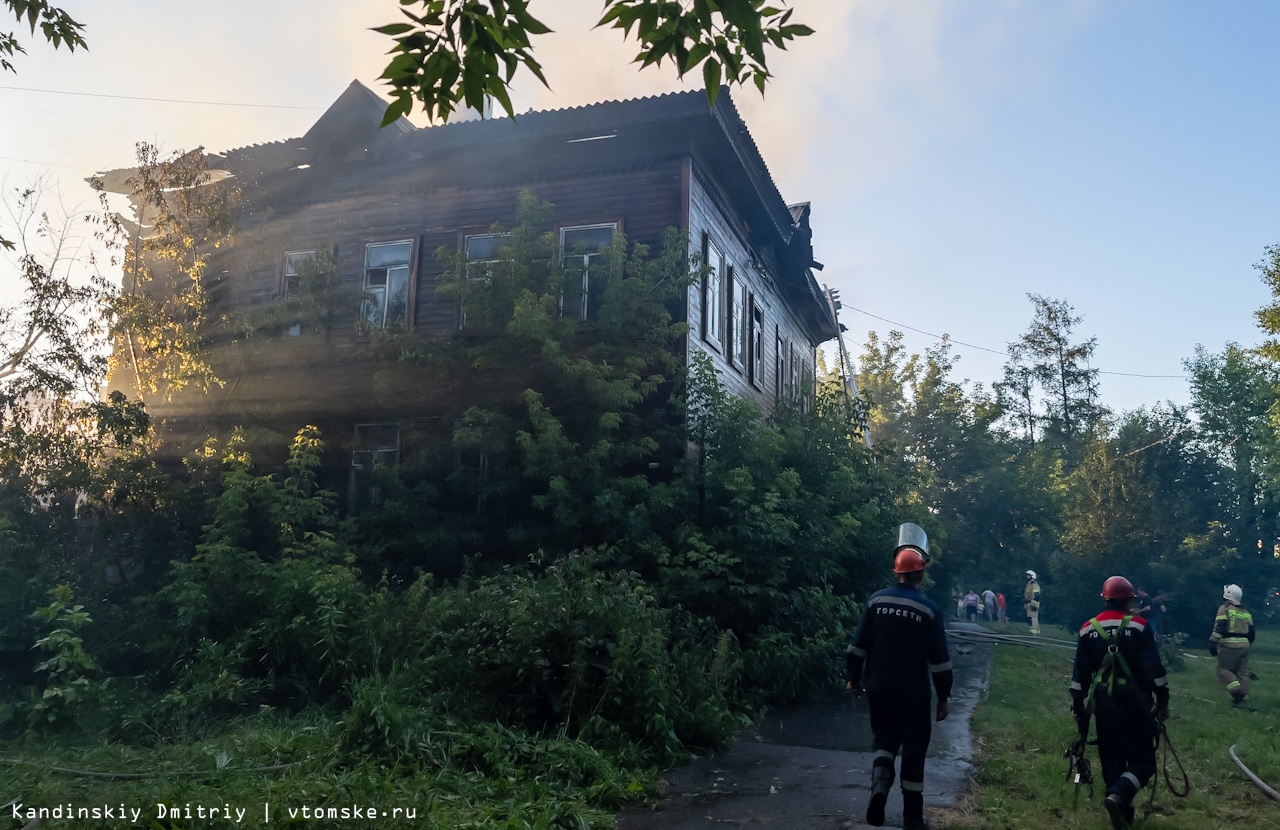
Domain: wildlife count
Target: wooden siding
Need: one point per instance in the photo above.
(712, 216)
(309, 377)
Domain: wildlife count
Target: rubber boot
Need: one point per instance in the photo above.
(1119, 804)
(913, 811)
(881, 783)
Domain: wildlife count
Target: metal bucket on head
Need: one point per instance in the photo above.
(912, 535)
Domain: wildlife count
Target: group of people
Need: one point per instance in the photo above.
(988, 605)
(899, 657)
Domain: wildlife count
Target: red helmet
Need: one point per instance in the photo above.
(908, 560)
(1117, 587)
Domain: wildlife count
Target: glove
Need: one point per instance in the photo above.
(1162, 713)
(1213, 651)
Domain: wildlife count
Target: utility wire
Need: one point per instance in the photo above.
(159, 100)
(985, 349)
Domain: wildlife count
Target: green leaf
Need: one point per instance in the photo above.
(711, 79)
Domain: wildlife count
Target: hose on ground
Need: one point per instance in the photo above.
(1262, 785)
(133, 776)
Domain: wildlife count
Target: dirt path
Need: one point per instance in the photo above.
(809, 767)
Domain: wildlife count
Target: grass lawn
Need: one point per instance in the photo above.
(1023, 726)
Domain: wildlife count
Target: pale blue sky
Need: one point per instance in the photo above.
(958, 153)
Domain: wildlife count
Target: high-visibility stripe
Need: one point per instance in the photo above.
(857, 652)
(884, 753)
(909, 603)
(935, 668)
(1137, 785)
(1233, 685)
(1162, 681)
(912, 786)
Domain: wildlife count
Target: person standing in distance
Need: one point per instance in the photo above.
(1031, 603)
(898, 655)
(989, 604)
(1230, 641)
(1117, 673)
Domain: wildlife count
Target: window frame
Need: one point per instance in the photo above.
(353, 468)
(284, 291)
(755, 344)
(464, 236)
(712, 294)
(584, 302)
(411, 288)
(738, 325)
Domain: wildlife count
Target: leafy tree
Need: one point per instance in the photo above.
(460, 52)
(161, 318)
(1060, 367)
(1233, 395)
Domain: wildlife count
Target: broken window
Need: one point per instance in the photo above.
(584, 270)
(387, 268)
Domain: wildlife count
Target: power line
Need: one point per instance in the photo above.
(159, 100)
(992, 351)
(50, 164)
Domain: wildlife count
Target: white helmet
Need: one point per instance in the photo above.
(1031, 574)
(1232, 594)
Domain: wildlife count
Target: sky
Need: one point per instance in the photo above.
(1120, 155)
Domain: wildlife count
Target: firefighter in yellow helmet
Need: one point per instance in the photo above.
(899, 655)
(1229, 642)
(1031, 602)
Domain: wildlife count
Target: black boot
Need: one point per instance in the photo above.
(881, 783)
(913, 811)
(1119, 811)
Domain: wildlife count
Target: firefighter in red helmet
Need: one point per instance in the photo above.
(899, 656)
(1119, 680)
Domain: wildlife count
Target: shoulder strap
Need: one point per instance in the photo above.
(1112, 659)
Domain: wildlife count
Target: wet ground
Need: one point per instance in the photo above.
(810, 767)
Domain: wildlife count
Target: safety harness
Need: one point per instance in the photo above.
(1112, 660)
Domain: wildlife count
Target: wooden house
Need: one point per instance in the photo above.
(382, 201)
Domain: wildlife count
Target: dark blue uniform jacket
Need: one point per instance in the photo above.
(900, 644)
(1137, 645)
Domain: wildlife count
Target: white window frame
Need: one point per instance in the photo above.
(712, 294)
(755, 343)
(739, 328)
(410, 268)
(589, 260)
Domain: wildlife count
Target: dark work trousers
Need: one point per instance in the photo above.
(1126, 741)
(901, 721)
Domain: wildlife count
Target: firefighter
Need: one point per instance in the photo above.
(1229, 642)
(1031, 602)
(1119, 679)
(897, 655)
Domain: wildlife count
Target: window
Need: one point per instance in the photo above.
(295, 264)
(584, 278)
(482, 251)
(387, 267)
(739, 321)
(373, 446)
(795, 372)
(755, 346)
(779, 364)
(712, 280)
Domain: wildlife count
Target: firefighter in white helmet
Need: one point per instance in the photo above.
(1229, 642)
(1031, 602)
